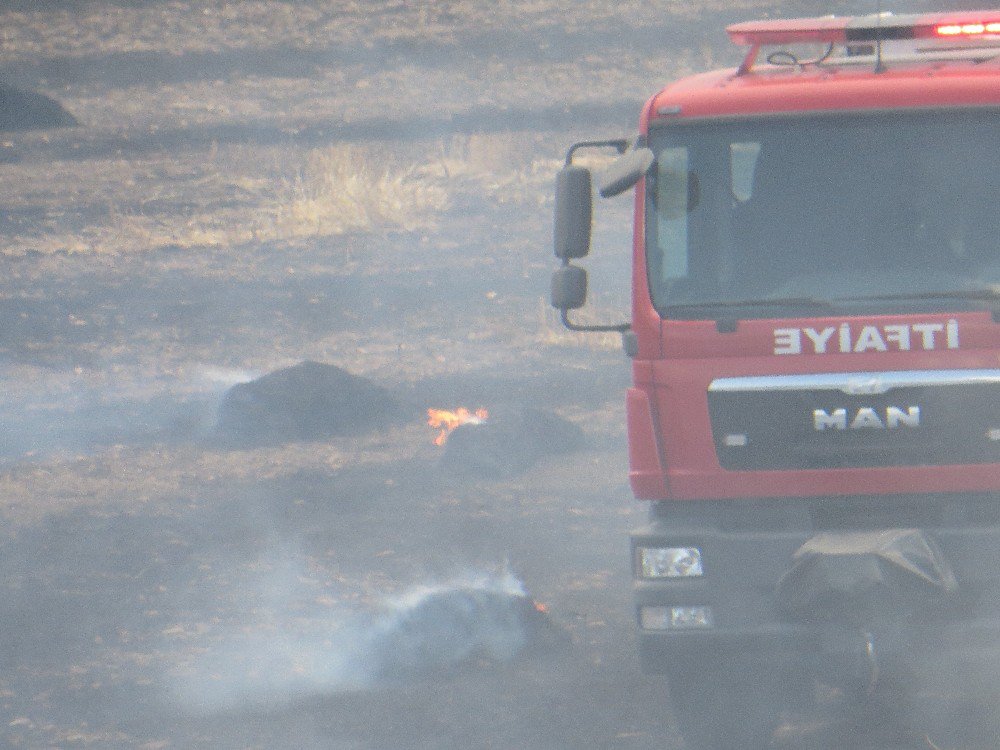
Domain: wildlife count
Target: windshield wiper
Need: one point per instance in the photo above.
(979, 293)
(976, 293)
(764, 302)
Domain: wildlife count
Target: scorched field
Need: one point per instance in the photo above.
(275, 237)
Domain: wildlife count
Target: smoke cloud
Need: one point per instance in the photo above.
(283, 653)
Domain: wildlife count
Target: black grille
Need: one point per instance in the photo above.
(955, 426)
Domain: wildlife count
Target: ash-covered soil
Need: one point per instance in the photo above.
(256, 184)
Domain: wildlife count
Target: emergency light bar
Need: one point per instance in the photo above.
(882, 27)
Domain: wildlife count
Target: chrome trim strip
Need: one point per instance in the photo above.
(855, 383)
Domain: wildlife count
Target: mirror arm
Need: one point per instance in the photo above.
(619, 144)
(620, 328)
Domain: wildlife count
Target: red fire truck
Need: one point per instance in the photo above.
(815, 344)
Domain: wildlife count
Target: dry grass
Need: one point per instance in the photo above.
(121, 477)
(506, 168)
(226, 197)
(219, 65)
(124, 206)
(551, 331)
(345, 188)
(355, 188)
(129, 230)
(206, 25)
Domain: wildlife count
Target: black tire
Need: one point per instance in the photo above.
(731, 702)
(724, 703)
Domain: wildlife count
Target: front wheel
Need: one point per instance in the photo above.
(721, 704)
(732, 702)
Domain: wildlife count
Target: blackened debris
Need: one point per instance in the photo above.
(455, 625)
(310, 401)
(508, 444)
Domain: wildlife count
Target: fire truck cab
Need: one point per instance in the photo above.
(815, 344)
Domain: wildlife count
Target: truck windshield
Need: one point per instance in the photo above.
(867, 212)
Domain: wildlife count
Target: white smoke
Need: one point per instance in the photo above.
(222, 378)
(283, 654)
(52, 411)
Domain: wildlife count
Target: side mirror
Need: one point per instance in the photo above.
(573, 213)
(569, 288)
(625, 171)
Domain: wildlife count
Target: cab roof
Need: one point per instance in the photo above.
(869, 62)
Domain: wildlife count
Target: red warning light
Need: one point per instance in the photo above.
(967, 29)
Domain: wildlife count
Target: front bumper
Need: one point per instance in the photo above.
(747, 549)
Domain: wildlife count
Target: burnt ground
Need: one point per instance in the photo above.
(137, 544)
(185, 237)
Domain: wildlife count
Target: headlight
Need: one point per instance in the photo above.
(670, 562)
(675, 618)
(690, 617)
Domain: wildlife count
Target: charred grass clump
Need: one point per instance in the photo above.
(310, 401)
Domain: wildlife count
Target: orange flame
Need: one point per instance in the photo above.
(449, 420)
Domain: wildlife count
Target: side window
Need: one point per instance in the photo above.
(673, 194)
